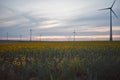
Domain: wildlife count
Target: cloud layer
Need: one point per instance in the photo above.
(57, 18)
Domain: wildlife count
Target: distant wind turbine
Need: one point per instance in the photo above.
(7, 35)
(30, 34)
(20, 37)
(111, 11)
(74, 34)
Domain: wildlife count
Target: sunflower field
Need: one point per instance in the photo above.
(80, 60)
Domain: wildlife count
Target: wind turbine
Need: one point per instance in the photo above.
(7, 35)
(20, 37)
(30, 34)
(74, 34)
(111, 11)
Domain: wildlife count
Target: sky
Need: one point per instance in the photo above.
(58, 20)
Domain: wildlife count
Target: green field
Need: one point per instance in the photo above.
(80, 60)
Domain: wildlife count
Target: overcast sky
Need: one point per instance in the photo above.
(58, 19)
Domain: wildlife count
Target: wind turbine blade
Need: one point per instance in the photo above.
(113, 3)
(114, 13)
(104, 9)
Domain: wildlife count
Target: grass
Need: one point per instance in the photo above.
(85, 60)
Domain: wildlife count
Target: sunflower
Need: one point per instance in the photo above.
(23, 58)
(57, 59)
(23, 63)
(18, 63)
(14, 62)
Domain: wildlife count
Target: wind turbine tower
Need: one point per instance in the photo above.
(30, 34)
(20, 37)
(111, 11)
(7, 35)
(74, 34)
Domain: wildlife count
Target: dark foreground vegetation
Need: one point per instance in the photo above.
(60, 61)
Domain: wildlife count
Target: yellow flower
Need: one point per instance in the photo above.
(18, 63)
(23, 63)
(62, 62)
(23, 58)
(56, 59)
(14, 62)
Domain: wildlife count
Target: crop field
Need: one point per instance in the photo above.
(80, 60)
